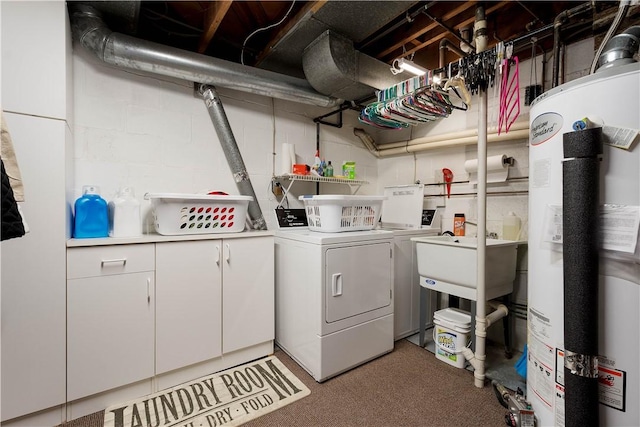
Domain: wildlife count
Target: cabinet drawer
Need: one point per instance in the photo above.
(107, 260)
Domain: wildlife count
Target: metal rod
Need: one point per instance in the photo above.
(446, 27)
(495, 193)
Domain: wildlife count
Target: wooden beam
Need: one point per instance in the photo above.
(412, 37)
(464, 23)
(215, 13)
(308, 9)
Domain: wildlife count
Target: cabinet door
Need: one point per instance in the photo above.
(248, 292)
(188, 303)
(33, 274)
(109, 332)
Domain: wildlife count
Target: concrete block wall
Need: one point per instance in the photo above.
(151, 133)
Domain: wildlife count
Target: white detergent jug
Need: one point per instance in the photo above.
(124, 215)
(511, 226)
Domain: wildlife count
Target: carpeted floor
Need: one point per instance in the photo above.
(407, 387)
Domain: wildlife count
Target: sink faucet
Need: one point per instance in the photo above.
(490, 235)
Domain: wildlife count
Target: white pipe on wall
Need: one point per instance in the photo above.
(518, 131)
(481, 300)
(500, 311)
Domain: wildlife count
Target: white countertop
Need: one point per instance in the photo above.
(154, 238)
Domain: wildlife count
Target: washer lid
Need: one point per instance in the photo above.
(403, 206)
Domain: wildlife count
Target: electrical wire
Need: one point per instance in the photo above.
(622, 12)
(244, 44)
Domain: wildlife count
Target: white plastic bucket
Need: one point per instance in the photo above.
(451, 334)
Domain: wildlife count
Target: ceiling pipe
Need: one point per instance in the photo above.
(618, 43)
(558, 22)
(518, 131)
(620, 49)
(448, 44)
(447, 28)
(466, 33)
(90, 31)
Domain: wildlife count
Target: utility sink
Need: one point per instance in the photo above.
(449, 264)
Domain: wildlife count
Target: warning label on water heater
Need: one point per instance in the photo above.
(611, 382)
(612, 385)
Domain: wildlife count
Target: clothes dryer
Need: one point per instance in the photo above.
(334, 298)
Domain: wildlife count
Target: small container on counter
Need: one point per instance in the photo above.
(124, 215)
(91, 214)
(458, 224)
(511, 226)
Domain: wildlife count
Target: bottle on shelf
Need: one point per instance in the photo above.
(328, 172)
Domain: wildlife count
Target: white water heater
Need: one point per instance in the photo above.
(609, 98)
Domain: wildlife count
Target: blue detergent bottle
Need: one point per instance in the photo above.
(91, 214)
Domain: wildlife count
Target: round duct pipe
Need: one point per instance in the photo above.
(620, 49)
(90, 31)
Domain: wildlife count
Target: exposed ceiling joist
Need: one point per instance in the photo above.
(308, 10)
(215, 13)
(463, 24)
(412, 37)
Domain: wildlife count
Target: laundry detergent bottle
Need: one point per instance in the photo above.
(91, 214)
(124, 215)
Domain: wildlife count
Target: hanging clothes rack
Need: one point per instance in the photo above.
(438, 93)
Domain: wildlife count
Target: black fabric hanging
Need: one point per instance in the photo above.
(12, 225)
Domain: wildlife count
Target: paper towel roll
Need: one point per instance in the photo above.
(287, 158)
(497, 169)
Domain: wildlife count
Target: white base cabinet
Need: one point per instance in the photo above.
(213, 297)
(151, 313)
(110, 317)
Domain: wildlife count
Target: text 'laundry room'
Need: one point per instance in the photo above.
(312, 213)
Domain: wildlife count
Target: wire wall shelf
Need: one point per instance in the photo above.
(315, 178)
(293, 178)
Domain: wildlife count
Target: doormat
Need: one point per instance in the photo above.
(227, 398)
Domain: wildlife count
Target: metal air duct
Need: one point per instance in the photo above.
(620, 49)
(333, 67)
(90, 31)
(232, 153)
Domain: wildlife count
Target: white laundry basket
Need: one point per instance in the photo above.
(337, 213)
(178, 214)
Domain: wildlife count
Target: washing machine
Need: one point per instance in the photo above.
(334, 297)
(403, 214)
